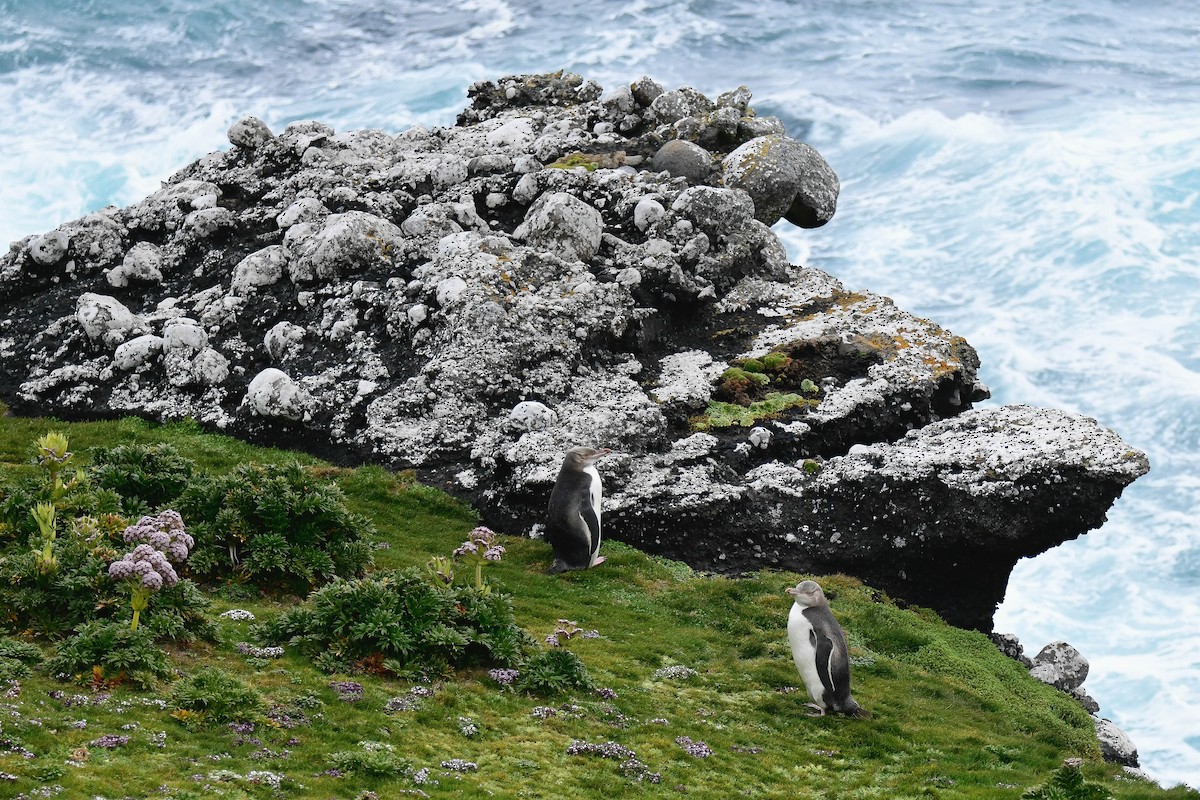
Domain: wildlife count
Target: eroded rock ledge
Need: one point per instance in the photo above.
(562, 266)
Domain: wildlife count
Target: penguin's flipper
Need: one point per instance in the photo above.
(588, 515)
(825, 650)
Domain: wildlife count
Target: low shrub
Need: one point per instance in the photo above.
(145, 476)
(111, 652)
(17, 658)
(277, 527)
(215, 696)
(398, 621)
(552, 671)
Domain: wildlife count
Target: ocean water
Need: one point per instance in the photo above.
(1026, 173)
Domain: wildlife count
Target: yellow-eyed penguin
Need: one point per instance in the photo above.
(819, 650)
(573, 516)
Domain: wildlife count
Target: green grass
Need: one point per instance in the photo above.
(953, 718)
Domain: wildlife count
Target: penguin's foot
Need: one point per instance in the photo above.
(816, 711)
(597, 561)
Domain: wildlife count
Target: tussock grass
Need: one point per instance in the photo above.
(953, 718)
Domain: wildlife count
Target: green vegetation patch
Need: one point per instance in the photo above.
(638, 678)
(719, 414)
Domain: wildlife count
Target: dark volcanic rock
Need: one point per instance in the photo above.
(471, 301)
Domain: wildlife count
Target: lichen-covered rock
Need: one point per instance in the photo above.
(137, 351)
(49, 248)
(103, 318)
(468, 303)
(260, 268)
(683, 159)
(564, 225)
(250, 133)
(785, 178)
(273, 394)
(341, 245)
(141, 265)
(1115, 744)
(1060, 665)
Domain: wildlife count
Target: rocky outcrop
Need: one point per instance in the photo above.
(562, 267)
(1060, 665)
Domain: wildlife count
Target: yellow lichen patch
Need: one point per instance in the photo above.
(940, 367)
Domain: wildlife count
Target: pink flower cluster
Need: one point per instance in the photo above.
(164, 532)
(160, 540)
(146, 566)
(481, 541)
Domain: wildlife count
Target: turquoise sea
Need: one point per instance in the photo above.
(1026, 173)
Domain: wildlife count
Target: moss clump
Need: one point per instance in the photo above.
(724, 415)
(775, 361)
(575, 160)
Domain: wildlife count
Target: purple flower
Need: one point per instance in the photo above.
(605, 693)
(466, 548)
(460, 765)
(350, 691)
(608, 749)
(494, 553)
(695, 749)
(110, 741)
(543, 712)
(504, 677)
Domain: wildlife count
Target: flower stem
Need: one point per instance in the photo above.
(479, 575)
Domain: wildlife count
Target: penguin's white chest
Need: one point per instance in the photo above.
(800, 637)
(597, 492)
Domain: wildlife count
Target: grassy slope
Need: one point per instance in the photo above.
(952, 717)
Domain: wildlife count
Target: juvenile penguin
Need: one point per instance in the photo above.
(819, 650)
(573, 516)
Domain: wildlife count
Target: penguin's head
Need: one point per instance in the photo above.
(584, 457)
(807, 594)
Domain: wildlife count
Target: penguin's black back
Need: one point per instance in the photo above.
(833, 659)
(568, 518)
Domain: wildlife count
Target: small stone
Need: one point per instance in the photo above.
(103, 317)
(49, 248)
(683, 160)
(1115, 744)
(760, 437)
(530, 415)
(137, 351)
(260, 268)
(645, 91)
(250, 133)
(273, 393)
(449, 290)
(305, 209)
(283, 339)
(564, 225)
(142, 264)
(1060, 665)
(184, 333)
(647, 212)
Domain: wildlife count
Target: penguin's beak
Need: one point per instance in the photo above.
(792, 591)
